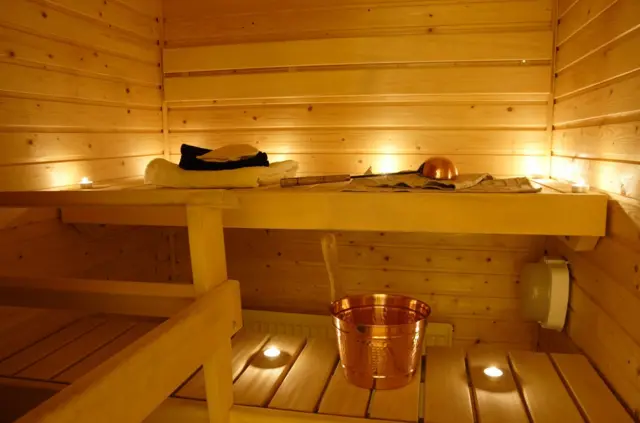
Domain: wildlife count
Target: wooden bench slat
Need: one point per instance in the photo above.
(398, 404)
(343, 399)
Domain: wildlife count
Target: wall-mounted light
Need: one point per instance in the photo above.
(493, 372)
(271, 352)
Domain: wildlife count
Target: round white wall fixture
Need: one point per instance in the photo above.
(545, 292)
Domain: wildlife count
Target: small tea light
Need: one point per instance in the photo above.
(86, 183)
(493, 372)
(580, 187)
(271, 352)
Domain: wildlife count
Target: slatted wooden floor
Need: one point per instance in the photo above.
(61, 346)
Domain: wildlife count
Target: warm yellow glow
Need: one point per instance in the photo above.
(85, 180)
(386, 163)
(271, 352)
(534, 166)
(493, 372)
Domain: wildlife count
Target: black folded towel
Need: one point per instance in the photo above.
(189, 160)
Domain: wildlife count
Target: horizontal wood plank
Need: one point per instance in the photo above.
(362, 20)
(353, 51)
(612, 23)
(114, 14)
(34, 147)
(46, 175)
(382, 116)
(614, 60)
(370, 82)
(50, 22)
(619, 98)
(342, 398)
(32, 115)
(381, 141)
(39, 81)
(616, 142)
(18, 46)
(579, 16)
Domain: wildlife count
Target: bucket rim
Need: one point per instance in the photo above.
(422, 308)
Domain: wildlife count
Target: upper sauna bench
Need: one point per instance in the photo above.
(552, 211)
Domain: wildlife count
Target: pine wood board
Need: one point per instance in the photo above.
(34, 147)
(22, 47)
(370, 19)
(354, 51)
(604, 65)
(447, 395)
(400, 404)
(38, 81)
(65, 357)
(34, 115)
(496, 400)
(115, 15)
(256, 385)
(342, 398)
(592, 394)
(547, 399)
(303, 386)
(373, 140)
(366, 82)
(244, 346)
(48, 345)
(611, 23)
(381, 116)
(53, 23)
(616, 142)
(96, 358)
(46, 175)
(579, 16)
(616, 99)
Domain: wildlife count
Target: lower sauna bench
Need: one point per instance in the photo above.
(50, 349)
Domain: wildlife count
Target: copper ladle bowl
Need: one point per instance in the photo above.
(439, 168)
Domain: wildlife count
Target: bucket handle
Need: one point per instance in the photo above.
(330, 255)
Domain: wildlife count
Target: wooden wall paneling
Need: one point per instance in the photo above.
(22, 47)
(613, 22)
(611, 349)
(64, 26)
(618, 99)
(614, 142)
(602, 66)
(516, 46)
(371, 19)
(34, 147)
(43, 82)
(369, 82)
(153, 8)
(383, 116)
(565, 5)
(616, 177)
(113, 14)
(580, 15)
(348, 140)
(35, 115)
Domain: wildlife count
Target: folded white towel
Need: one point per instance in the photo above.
(163, 173)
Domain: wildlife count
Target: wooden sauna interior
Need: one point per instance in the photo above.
(549, 89)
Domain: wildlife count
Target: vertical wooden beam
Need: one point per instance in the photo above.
(209, 267)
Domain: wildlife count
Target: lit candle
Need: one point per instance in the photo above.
(580, 187)
(86, 183)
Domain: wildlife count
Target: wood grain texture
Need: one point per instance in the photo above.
(304, 385)
(593, 396)
(363, 51)
(497, 400)
(616, 142)
(342, 398)
(401, 404)
(259, 382)
(217, 27)
(447, 396)
(579, 15)
(546, 397)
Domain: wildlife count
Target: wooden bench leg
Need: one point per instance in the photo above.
(209, 267)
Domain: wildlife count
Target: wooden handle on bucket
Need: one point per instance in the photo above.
(330, 255)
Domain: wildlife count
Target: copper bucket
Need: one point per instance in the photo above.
(380, 338)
